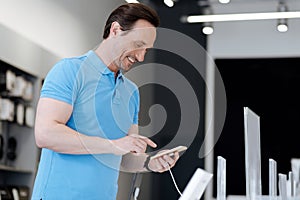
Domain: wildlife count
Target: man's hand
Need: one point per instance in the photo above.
(132, 143)
(163, 163)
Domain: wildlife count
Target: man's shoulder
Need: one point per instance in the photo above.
(76, 61)
(70, 64)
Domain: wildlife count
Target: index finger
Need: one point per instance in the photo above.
(150, 142)
(147, 140)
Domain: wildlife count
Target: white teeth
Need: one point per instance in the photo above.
(131, 59)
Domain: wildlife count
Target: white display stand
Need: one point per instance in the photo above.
(196, 185)
(287, 187)
(252, 154)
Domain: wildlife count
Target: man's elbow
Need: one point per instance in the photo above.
(41, 137)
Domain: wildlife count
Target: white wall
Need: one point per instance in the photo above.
(63, 27)
(24, 54)
(249, 39)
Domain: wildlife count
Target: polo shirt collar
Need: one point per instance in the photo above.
(120, 75)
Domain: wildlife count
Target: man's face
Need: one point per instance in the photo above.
(133, 44)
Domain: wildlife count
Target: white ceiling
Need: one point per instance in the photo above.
(71, 27)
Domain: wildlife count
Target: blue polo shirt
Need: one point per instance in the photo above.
(103, 106)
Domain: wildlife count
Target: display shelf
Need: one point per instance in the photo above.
(19, 160)
(13, 169)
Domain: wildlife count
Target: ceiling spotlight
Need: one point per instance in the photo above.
(282, 25)
(169, 3)
(207, 28)
(132, 1)
(282, 22)
(224, 1)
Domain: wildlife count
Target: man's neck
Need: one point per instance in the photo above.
(103, 52)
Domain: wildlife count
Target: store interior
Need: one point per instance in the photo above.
(243, 63)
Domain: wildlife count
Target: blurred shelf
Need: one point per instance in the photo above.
(13, 169)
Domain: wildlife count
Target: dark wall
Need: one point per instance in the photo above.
(162, 186)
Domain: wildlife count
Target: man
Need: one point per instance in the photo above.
(87, 115)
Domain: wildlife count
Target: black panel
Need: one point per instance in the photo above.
(162, 185)
(270, 88)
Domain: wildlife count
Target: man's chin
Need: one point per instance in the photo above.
(126, 68)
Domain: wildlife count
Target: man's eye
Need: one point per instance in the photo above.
(139, 45)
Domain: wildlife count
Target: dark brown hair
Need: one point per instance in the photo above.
(126, 15)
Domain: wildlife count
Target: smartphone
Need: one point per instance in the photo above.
(169, 152)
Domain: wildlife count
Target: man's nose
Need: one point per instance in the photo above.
(140, 55)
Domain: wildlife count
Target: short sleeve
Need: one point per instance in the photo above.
(59, 82)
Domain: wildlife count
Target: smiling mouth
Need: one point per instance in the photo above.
(131, 59)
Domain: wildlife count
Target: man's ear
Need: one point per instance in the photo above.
(115, 28)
